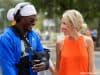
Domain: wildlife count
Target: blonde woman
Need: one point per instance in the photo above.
(75, 54)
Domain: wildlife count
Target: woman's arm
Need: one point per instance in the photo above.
(58, 55)
(90, 47)
(52, 68)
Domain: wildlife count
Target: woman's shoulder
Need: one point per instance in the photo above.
(88, 40)
(59, 44)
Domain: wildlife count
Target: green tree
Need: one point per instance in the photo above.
(89, 8)
(6, 5)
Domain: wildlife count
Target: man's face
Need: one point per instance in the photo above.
(28, 22)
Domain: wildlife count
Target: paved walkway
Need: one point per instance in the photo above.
(51, 46)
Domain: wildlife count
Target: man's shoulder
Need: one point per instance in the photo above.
(7, 34)
(34, 34)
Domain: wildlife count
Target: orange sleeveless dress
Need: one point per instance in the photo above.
(74, 58)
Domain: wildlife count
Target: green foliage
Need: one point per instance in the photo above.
(6, 5)
(54, 8)
(39, 23)
(89, 8)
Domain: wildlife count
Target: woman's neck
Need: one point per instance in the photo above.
(74, 35)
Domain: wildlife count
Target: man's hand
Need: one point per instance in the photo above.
(38, 67)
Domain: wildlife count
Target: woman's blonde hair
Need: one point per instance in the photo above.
(75, 18)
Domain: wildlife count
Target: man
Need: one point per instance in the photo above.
(12, 44)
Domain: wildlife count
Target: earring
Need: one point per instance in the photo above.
(13, 23)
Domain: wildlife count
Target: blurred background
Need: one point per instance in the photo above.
(49, 15)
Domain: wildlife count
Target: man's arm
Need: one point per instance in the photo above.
(6, 56)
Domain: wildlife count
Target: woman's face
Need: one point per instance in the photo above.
(66, 26)
(28, 22)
